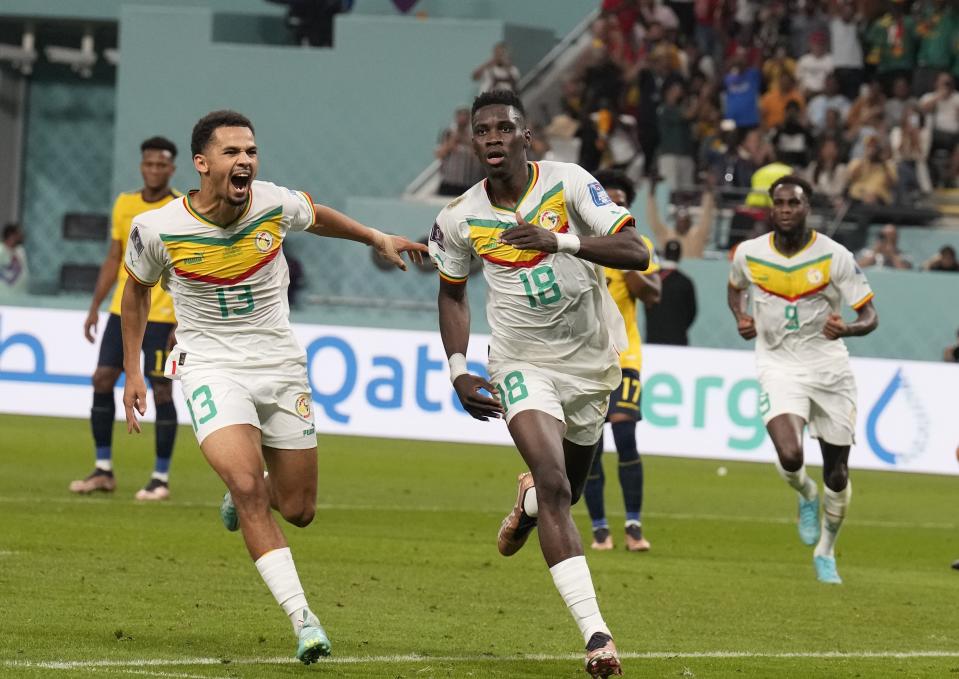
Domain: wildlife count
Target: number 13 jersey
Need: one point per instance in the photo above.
(228, 283)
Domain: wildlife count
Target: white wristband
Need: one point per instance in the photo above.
(567, 242)
(457, 366)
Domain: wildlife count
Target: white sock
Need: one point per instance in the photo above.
(161, 476)
(834, 507)
(104, 465)
(799, 480)
(529, 503)
(575, 585)
(279, 573)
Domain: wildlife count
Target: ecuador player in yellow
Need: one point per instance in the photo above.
(625, 287)
(157, 168)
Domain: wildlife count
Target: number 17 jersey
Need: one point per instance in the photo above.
(228, 283)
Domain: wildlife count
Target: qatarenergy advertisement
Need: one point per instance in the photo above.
(389, 383)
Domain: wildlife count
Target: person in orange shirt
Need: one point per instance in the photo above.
(772, 105)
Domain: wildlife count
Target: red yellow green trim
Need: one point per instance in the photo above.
(189, 208)
(793, 298)
(309, 199)
(232, 280)
(864, 301)
(623, 221)
(530, 183)
(138, 279)
(772, 244)
(452, 279)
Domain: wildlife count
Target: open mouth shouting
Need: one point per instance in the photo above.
(240, 182)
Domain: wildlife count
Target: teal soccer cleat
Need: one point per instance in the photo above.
(228, 513)
(809, 527)
(826, 570)
(313, 642)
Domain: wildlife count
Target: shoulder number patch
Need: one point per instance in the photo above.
(437, 236)
(599, 195)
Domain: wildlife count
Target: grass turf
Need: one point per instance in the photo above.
(401, 560)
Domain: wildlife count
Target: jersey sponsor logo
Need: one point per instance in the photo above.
(263, 241)
(599, 195)
(136, 240)
(437, 236)
(304, 406)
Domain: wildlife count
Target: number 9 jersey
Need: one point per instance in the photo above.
(228, 282)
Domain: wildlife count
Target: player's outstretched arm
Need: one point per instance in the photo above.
(867, 320)
(134, 310)
(621, 250)
(745, 324)
(334, 224)
(454, 312)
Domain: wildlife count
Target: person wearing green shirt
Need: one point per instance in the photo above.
(892, 38)
(938, 44)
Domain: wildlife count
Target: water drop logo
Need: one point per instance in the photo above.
(897, 411)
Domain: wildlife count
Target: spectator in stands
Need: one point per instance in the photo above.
(792, 141)
(762, 179)
(693, 239)
(718, 153)
(813, 66)
(753, 152)
(870, 102)
(909, 144)
(937, 30)
(872, 127)
(741, 85)
(14, 275)
(777, 65)
(872, 178)
(892, 37)
(311, 21)
(885, 251)
(676, 144)
(773, 25)
(941, 106)
(805, 24)
(459, 166)
(944, 260)
(834, 130)
(744, 44)
(900, 100)
(829, 99)
(498, 73)
(949, 355)
(668, 322)
(653, 82)
(828, 174)
(773, 104)
(608, 140)
(846, 47)
(708, 13)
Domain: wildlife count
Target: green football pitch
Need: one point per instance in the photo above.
(402, 568)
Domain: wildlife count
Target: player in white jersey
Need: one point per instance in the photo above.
(799, 278)
(218, 251)
(543, 231)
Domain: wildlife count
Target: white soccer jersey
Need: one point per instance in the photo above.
(794, 296)
(229, 282)
(551, 309)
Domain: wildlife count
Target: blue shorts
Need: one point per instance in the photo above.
(154, 347)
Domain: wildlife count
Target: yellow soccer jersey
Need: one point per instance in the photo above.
(793, 297)
(126, 207)
(543, 308)
(632, 358)
(228, 283)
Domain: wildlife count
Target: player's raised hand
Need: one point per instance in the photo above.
(468, 388)
(746, 325)
(835, 327)
(526, 236)
(90, 325)
(134, 399)
(390, 248)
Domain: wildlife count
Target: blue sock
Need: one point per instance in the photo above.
(165, 437)
(101, 423)
(630, 468)
(593, 492)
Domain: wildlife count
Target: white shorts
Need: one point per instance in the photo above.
(578, 402)
(275, 400)
(825, 400)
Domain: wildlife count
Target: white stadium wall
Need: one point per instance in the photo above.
(377, 382)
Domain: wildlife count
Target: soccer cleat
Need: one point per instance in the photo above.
(517, 525)
(602, 540)
(601, 657)
(635, 542)
(99, 481)
(228, 513)
(955, 564)
(313, 642)
(826, 570)
(809, 528)
(154, 490)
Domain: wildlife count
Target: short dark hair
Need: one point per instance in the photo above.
(158, 144)
(208, 124)
(9, 229)
(498, 98)
(792, 180)
(614, 179)
(673, 251)
(947, 248)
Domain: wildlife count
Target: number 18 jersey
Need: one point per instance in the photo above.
(543, 308)
(228, 283)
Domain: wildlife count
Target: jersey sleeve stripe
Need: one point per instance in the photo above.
(625, 220)
(452, 279)
(309, 199)
(138, 279)
(865, 300)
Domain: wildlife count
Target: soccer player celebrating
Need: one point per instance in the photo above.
(799, 277)
(157, 168)
(242, 371)
(543, 231)
(624, 411)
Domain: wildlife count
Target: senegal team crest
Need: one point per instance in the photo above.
(303, 406)
(549, 219)
(814, 276)
(263, 241)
